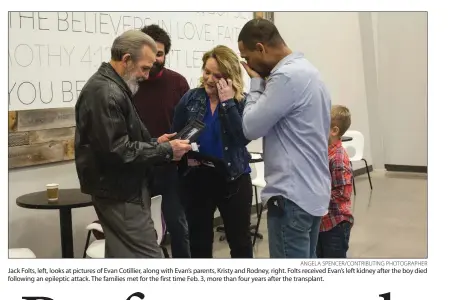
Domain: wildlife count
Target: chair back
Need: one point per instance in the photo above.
(355, 147)
(258, 179)
(157, 216)
(259, 170)
(20, 253)
(96, 230)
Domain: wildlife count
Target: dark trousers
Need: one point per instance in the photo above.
(166, 184)
(207, 190)
(335, 242)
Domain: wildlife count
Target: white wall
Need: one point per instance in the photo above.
(376, 64)
(332, 42)
(54, 53)
(39, 229)
(370, 67)
(402, 81)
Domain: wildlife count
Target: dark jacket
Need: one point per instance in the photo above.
(193, 106)
(113, 149)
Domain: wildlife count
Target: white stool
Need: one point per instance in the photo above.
(21, 253)
(96, 249)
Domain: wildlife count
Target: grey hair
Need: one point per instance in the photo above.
(131, 42)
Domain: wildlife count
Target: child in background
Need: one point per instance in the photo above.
(335, 227)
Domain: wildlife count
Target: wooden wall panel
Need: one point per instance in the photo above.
(42, 136)
(50, 135)
(18, 139)
(268, 15)
(12, 120)
(69, 149)
(30, 155)
(40, 119)
(258, 14)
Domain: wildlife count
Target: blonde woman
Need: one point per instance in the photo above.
(218, 102)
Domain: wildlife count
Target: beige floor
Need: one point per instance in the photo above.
(390, 221)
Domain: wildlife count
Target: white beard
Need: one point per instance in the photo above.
(133, 86)
(132, 83)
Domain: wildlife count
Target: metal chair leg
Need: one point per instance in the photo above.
(165, 252)
(353, 181)
(259, 212)
(353, 185)
(368, 172)
(222, 230)
(256, 199)
(87, 244)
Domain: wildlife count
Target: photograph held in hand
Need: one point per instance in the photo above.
(191, 131)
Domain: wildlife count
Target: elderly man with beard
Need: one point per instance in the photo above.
(114, 151)
(156, 101)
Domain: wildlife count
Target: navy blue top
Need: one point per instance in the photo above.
(210, 141)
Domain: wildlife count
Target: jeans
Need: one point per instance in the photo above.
(166, 184)
(293, 232)
(206, 190)
(335, 242)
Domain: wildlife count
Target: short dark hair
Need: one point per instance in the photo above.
(159, 35)
(260, 31)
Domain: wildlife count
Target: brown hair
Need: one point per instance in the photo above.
(229, 66)
(341, 118)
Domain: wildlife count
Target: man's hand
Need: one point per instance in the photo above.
(179, 148)
(225, 90)
(249, 70)
(166, 137)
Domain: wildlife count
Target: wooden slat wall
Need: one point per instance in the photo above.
(268, 15)
(258, 14)
(41, 136)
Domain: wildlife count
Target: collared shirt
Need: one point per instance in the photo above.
(339, 209)
(291, 110)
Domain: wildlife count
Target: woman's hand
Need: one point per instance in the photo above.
(225, 90)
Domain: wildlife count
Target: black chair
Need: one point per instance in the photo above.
(356, 140)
